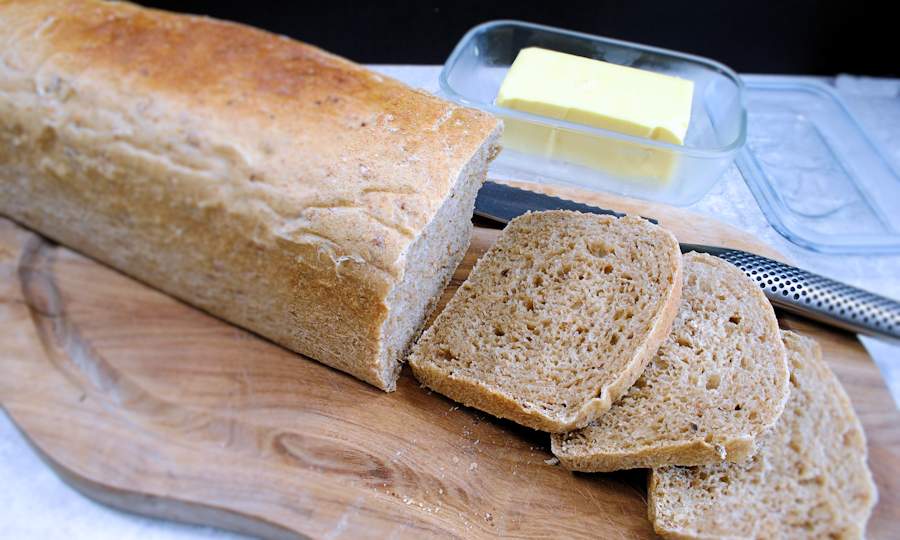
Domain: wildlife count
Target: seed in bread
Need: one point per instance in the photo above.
(809, 478)
(556, 320)
(718, 382)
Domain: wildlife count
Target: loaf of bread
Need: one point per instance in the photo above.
(556, 320)
(270, 183)
(809, 478)
(717, 383)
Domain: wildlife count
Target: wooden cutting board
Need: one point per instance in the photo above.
(146, 404)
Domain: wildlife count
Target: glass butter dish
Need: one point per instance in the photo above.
(623, 164)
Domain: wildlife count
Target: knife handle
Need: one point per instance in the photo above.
(818, 297)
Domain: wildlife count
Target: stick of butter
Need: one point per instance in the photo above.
(598, 94)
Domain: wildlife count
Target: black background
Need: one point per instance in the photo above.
(765, 36)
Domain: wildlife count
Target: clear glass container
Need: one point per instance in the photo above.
(816, 174)
(475, 70)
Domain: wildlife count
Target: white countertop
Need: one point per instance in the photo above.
(35, 504)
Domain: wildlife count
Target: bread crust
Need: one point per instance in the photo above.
(259, 178)
(690, 453)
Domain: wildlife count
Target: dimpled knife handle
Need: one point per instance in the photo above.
(817, 297)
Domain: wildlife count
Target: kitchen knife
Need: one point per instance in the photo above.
(787, 287)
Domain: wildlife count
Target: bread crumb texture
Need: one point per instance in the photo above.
(556, 320)
(809, 478)
(719, 381)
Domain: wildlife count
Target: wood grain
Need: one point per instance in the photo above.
(147, 404)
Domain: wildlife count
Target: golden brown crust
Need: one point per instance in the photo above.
(262, 179)
(689, 453)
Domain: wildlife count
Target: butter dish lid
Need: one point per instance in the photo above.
(818, 177)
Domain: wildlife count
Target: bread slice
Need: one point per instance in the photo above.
(719, 381)
(809, 478)
(556, 320)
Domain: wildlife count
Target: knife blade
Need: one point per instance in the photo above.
(787, 287)
(502, 203)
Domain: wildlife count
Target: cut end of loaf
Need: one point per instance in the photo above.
(429, 264)
(717, 383)
(556, 320)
